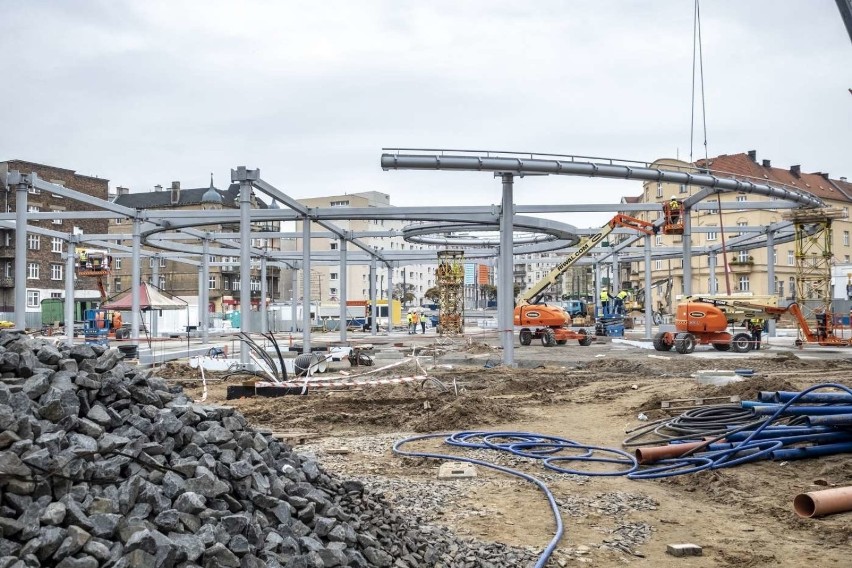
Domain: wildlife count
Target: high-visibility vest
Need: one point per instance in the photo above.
(604, 296)
(622, 295)
(674, 205)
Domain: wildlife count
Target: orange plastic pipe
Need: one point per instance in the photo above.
(651, 454)
(825, 502)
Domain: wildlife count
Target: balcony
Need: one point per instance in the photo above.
(742, 266)
(7, 282)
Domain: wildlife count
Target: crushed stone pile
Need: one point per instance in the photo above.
(104, 464)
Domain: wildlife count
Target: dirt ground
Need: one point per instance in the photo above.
(741, 516)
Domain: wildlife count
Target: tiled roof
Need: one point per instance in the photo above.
(628, 199)
(815, 183)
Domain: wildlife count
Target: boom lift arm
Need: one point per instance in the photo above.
(535, 293)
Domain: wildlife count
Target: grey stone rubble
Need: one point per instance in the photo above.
(105, 464)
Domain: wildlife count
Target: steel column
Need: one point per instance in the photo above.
(615, 282)
(306, 285)
(770, 275)
(21, 255)
(200, 307)
(135, 277)
(205, 293)
(344, 279)
(155, 278)
(373, 311)
(712, 288)
(294, 299)
(687, 252)
(598, 289)
(70, 263)
(498, 278)
(264, 324)
(649, 300)
(507, 304)
(245, 267)
(390, 297)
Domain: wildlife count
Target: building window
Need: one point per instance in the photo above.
(213, 283)
(9, 272)
(683, 187)
(150, 262)
(235, 285)
(741, 224)
(162, 262)
(7, 238)
(343, 203)
(117, 284)
(56, 244)
(659, 189)
(846, 258)
(333, 275)
(744, 284)
(658, 265)
(116, 263)
(56, 272)
(742, 198)
(33, 242)
(712, 236)
(33, 298)
(33, 271)
(846, 238)
(119, 221)
(743, 256)
(791, 258)
(34, 190)
(76, 231)
(57, 221)
(34, 209)
(162, 284)
(779, 288)
(333, 246)
(659, 240)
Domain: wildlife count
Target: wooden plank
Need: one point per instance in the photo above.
(682, 403)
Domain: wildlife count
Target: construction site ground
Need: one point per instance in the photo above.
(741, 516)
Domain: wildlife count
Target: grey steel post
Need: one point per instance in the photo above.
(205, 293)
(687, 252)
(294, 299)
(70, 262)
(616, 277)
(498, 272)
(155, 278)
(770, 275)
(200, 307)
(306, 285)
(711, 264)
(649, 300)
(373, 311)
(135, 277)
(507, 306)
(390, 297)
(245, 267)
(598, 288)
(21, 254)
(344, 318)
(263, 308)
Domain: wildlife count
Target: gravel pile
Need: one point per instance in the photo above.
(104, 464)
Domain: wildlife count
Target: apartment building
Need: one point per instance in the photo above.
(326, 279)
(747, 271)
(45, 265)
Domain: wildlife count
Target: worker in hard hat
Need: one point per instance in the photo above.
(620, 298)
(410, 322)
(755, 326)
(604, 301)
(674, 210)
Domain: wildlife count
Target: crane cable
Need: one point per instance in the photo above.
(697, 47)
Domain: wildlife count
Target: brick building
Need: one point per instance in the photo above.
(45, 265)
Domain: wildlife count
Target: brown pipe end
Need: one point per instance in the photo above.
(804, 505)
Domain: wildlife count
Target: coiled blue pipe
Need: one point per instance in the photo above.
(830, 420)
(548, 551)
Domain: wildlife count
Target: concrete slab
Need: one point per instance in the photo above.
(456, 470)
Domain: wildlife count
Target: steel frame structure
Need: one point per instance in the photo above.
(160, 229)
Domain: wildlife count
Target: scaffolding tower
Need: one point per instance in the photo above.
(814, 237)
(450, 275)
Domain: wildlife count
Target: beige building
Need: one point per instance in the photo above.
(326, 279)
(747, 270)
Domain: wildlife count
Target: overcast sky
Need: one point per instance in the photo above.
(309, 92)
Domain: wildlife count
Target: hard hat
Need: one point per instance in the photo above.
(674, 197)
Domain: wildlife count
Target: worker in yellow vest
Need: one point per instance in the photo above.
(410, 322)
(619, 301)
(605, 301)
